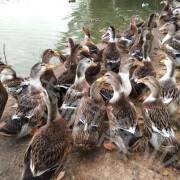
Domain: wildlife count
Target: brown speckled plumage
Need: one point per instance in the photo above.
(89, 120)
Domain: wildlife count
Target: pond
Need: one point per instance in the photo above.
(28, 27)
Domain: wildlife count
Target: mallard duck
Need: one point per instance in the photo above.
(48, 54)
(147, 69)
(111, 54)
(128, 37)
(124, 72)
(49, 147)
(170, 92)
(157, 122)
(30, 109)
(15, 86)
(121, 114)
(76, 92)
(171, 41)
(3, 92)
(89, 120)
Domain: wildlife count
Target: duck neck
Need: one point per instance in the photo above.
(112, 37)
(73, 58)
(80, 74)
(168, 37)
(53, 113)
(118, 92)
(155, 94)
(146, 49)
(46, 59)
(95, 93)
(170, 72)
(126, 84)
(35, 85)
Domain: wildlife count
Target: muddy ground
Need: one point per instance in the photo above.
(99, 164)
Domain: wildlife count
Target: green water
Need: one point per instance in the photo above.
(28, 27)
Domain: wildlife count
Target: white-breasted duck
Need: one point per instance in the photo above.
(121, 114)
(89, 120)
(76, 92)
(111, 54)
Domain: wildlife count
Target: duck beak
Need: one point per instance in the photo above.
(93, 64)
(162, 29)
(161, 2)
(42, 94)
(56, 54)
(140, 81)
(102, 31)
(85, 49)
(162, 61)
(140, 19)
(138, 63)
(91, 42)
(81, 30)
(49, 66)
(102, 79)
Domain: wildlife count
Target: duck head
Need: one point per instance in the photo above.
(48, 54)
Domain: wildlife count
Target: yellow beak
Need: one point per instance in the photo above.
(161, 2)
(102, 79)
(162, 61)
(161, 29)
(102, 31)
(140, 19)
(138, 63)
(93, 64)
(85, 49)
(140, 81)
(42, 94)
(49, 66)
(81, 30)
(56, 54)
(91, 42)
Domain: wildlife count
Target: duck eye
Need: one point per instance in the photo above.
(42, 65)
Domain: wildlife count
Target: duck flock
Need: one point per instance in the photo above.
(68, 109)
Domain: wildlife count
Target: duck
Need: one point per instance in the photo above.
(66, 79)
(146, 27)
(171, 41)
(48, 54)
(88, 124)
(166, 7)
(139, 89)
(76, 92)
(3, 92)
(111, 54)
(122, 116)
(124, 72)
(15, 86)
(94, 51)
(105, 36)
(170, 91)
(127, 38)
(157, 129)
(49, 147)
(31, 107)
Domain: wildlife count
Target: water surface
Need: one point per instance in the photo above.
(28, 27)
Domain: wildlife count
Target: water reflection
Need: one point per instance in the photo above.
(28, 27)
